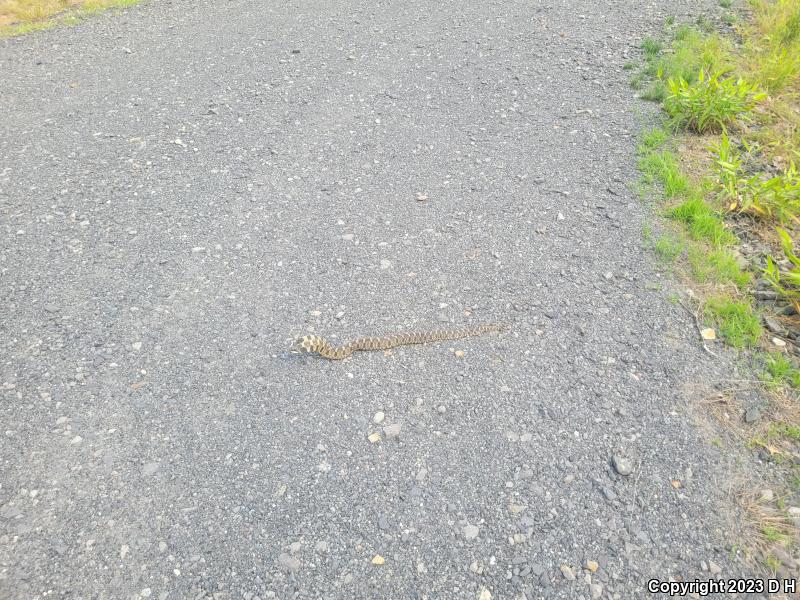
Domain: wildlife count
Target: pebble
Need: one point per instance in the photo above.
(485, 594)
(392, 431)
(622, 465)
(778, 342)
(288, 562)
(773, 325)
(476, 567)
(596, 590)
(378, 560)
(714, 568)
(321, 546)
(150, 468)
(752, 415)
(592, 566)
(567, 572)
(470, 531)
(378, 418)
(145, 593)
(385, 264)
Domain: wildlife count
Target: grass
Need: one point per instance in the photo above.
(20, 17)
(703, 222)
(711, 103)
(668, 247)
(780, 371)
(735, 320)
(718, 266)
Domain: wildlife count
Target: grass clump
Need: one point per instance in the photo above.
(785, 276)
(668, 247)
(662, 166)
(712, 103)
(776, 197)
(703, 222)
(735, 320)
(718, 266)
(779, 370)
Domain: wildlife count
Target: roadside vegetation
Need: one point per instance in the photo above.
(18, 17)
(722, 169)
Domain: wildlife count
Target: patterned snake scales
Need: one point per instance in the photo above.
(319, 345)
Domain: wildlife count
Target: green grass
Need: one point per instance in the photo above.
(779, 371)
(736, 321)
(718, 266)
(662, 166)
(651, 47)
(668, 247)
(703, 222)
(772, 534)
(711, 103)
(726, 3)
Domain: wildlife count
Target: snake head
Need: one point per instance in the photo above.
(303, 345)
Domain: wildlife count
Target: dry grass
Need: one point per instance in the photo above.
(18, 17)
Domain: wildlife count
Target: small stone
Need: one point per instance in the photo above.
(385, 264)
(778, 342)
(145, 593)
(485, 594)
(752, 415)
(150, 468)
(767, 496)
(421, 197)
(321, 546)
(162, 546)
(374, 437)
(470, 531)
(476, 567)
(136, 345)
(774, 325)
(516, 508)
(123, 551)
(714, 568)
(596, 590)
(567, 572)
(622, 465)
(76, 440)
(378, 560)
(288, 562)
(294, 548)
(441, 409)
(378, 418)
(392, 431)
(592, 565)
(459, 353)
(794, 511)
(708, 334)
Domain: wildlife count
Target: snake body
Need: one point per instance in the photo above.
(319, 345)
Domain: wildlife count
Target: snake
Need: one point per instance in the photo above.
(316, 344)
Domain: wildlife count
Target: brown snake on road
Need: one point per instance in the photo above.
(319, 345)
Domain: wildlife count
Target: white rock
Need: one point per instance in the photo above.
(470, 531)
(378, 418)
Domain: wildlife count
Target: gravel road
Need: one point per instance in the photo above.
(187, 186)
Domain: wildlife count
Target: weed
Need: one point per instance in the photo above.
(712, 103)
(776, 197)
(668, 248)
(652, 139)
(779, 370)
(662, 166)
(786, 279)
(629, 66)
(651, 47)
(719, 266)
(669, 21)
(736, 321)
(703, 222)
(726, 3)
(772, 563)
